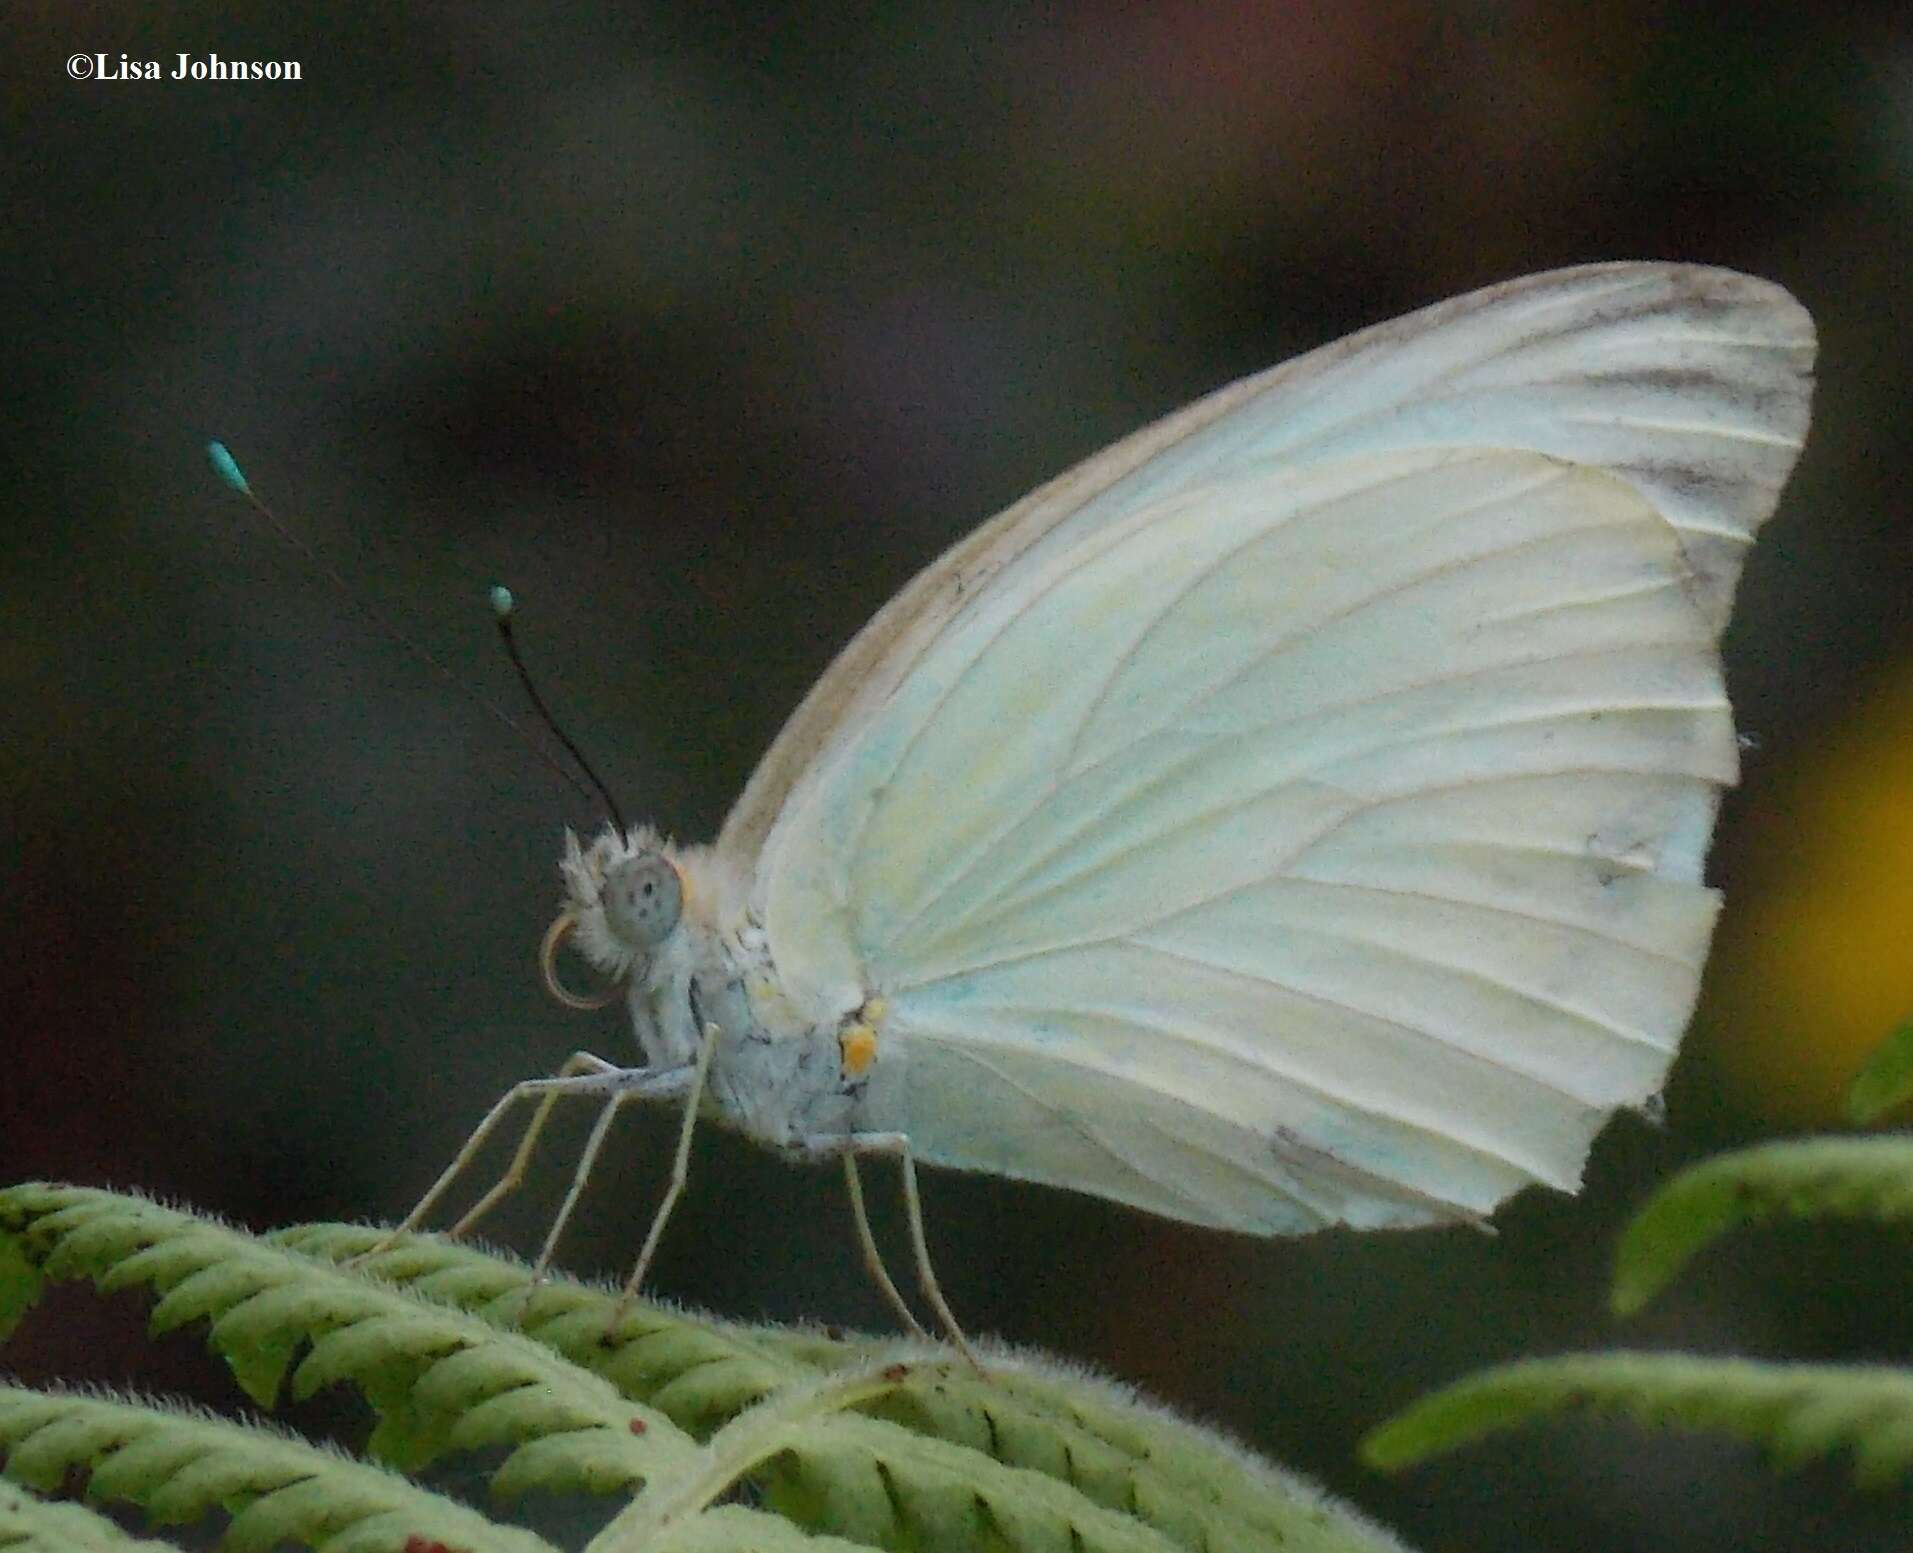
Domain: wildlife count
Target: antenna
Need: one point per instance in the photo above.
(502, 605)
(228, 471)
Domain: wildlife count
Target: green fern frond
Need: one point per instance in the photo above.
(1087, 1434)
(1886, 1081)
(1797, 1412)
(32, 1525)
(884, 1486)
(698, 1372)
(838, 1444)
(439, 1379)
(1870, 1178)
(1118, 1452)
(877, 1483)
(180, 1467)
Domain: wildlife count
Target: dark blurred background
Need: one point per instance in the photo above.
(704, 326)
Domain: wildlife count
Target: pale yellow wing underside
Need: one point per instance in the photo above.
(1691, 381)
(1295, 815)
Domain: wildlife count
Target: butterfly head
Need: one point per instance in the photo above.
(624, 900)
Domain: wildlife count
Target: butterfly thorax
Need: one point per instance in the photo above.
(691, 956)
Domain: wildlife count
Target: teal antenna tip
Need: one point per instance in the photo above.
(501, 600)
(226, 468)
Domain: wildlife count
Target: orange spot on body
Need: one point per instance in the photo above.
(859, 1047)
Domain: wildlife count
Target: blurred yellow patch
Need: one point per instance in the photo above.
(859, 1047)
(1813, 966)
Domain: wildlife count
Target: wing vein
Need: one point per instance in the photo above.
(1462, 972)
(1063, 779)
(1086, 1062)
(1450, 900)
(1341, 1005)
(1583, 601)
(1064, 775)
(947, 972)
(1360, 803)
(1277, 646)
(1156, 618)
(1689, 429)
(1075, 1121)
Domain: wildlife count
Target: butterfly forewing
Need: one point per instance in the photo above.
(1294, 815)
(1692, 382)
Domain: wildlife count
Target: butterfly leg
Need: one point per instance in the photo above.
(873, 1258)
(626, 1085)
(680, 1172)
(898, 1145)
(551, 1089)
(514, 1176)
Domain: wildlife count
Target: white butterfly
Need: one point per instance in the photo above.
(1291, 816)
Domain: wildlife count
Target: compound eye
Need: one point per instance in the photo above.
(642, 900)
